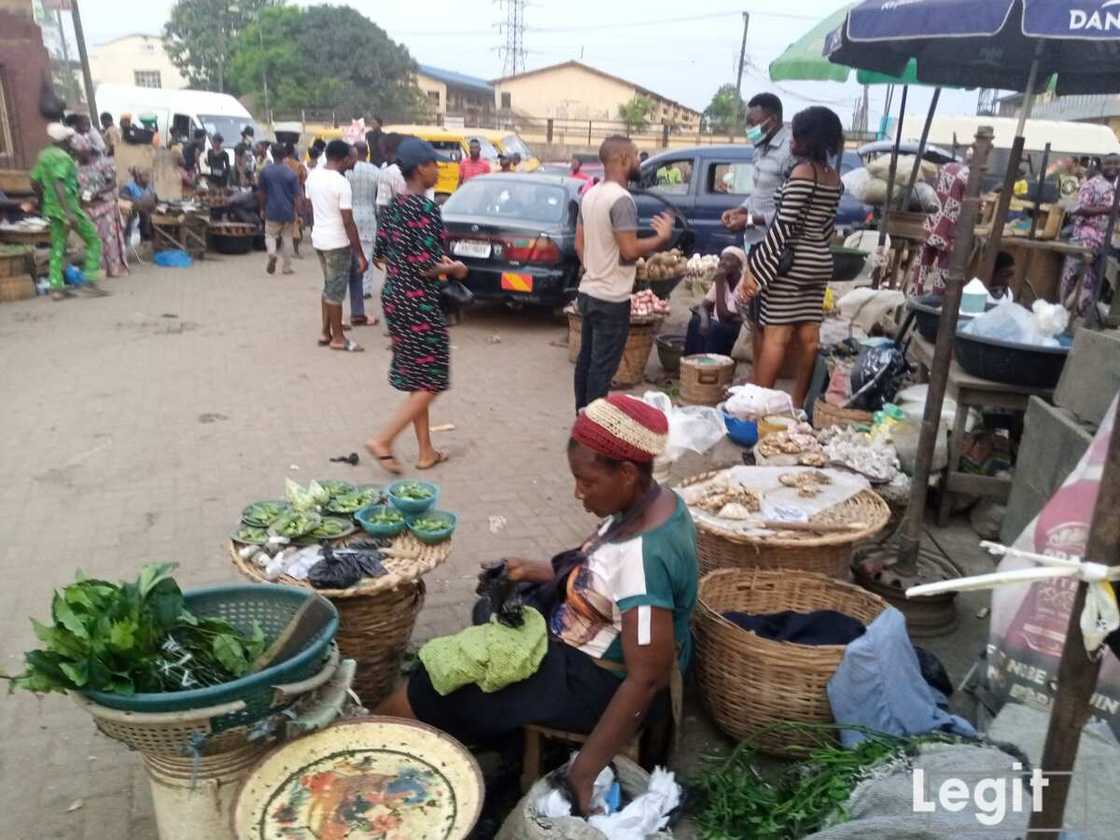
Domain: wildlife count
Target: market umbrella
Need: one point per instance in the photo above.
(1003, 44)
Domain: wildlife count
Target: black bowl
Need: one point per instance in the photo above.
(847, 263)
(1010, 363)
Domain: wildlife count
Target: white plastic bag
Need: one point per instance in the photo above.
(750, 402)
(646, 814)
(855, 183)
(1009, 322)
(1050, 319)
(695, 427)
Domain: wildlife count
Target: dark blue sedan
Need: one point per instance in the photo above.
(709, 180)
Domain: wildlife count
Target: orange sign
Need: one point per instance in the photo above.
(516, 282)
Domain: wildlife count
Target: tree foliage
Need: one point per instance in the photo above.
(727, 112)
(200, 35)
(636, 113)
(324, 57)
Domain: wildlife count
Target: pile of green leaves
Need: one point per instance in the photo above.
(134, 637)
(733, 800)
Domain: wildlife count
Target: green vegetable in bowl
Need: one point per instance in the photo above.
(251, 535)
(330, 528)
(355, 501)
(430, 524)
(336, 488)
(263, 514)
(412, 490)
(387, 516)
(296, 523)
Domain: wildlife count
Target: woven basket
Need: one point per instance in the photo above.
(826, 414)
(632, 369)
(375, 617)
(749, 683)
(706, 382)
(827, 554)
(16, 287)
(179, 733)
(15, 261)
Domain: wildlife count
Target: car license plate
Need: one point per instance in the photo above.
(471, 248)
(517, 282)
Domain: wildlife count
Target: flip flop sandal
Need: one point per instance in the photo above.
(359, 321)
(324, 342)
(388, 462)
(441, 457)
(351, 347)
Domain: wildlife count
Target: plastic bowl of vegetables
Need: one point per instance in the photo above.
(433, 527)
(381, 520)
(413, 497)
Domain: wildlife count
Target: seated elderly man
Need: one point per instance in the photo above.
(141, 199)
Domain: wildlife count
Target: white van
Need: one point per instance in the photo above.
(178, 112)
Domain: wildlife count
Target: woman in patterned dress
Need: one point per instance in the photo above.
(410, 245)
(792, 302)
(97, 179)
(1090, 224)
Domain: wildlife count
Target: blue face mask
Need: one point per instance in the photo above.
(756, 134)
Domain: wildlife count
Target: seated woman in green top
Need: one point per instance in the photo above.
(620, 631)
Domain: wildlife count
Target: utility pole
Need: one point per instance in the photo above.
(87, 77)
(742, 56)
(264, 73)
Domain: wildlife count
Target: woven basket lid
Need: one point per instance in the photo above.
(377, 777)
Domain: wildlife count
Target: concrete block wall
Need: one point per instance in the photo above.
(1055, 440)
(1091, 377)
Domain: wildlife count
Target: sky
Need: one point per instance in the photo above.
(683, 51)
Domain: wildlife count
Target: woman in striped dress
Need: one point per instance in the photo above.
(792, 302)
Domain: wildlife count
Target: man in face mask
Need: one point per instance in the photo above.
(772, 164)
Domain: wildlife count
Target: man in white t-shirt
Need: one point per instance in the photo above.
(608, 246)
(334, 237)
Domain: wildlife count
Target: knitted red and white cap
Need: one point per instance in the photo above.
(622, 428)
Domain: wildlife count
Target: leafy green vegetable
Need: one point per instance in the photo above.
(251, 535)
(387, 516)
(330, 528)
(336, 488)
(263, 514)
(734, 801)
(296, 523)
(430, 524)
(413, 490)
(134, 637)
(352, 502)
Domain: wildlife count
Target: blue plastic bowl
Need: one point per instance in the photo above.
(433, 537)
(743, 432)
(365, 515)
(412, 505)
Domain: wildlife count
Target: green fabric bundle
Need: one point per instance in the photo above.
(490, 656)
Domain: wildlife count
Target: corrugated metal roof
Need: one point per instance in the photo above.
(450, 77)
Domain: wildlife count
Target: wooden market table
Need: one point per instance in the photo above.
(972, 392)
(180, 232)
(1038, 261)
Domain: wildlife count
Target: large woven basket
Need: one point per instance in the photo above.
(375, 617)
(825, 553)
(750, 684)
(705, 378)
(632, 369)
(826, 414)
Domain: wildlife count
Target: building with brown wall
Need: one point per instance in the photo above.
(24, 63)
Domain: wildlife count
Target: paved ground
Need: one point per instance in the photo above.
(135, 427)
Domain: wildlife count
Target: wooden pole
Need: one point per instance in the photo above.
(1077, 672)
(910, 537)
(742, 59)
(87, 77)
(877, 274)
(916, 168)
(1038, 193)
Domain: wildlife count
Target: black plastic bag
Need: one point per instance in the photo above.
(51, 105)
(455, 294)
(344, 568)
(876, 376)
